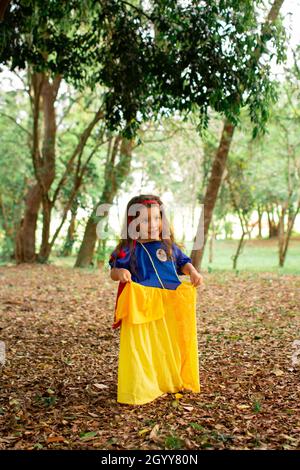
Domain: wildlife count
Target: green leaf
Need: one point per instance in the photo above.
(88, 435)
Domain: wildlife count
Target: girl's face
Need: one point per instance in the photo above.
(150, 223)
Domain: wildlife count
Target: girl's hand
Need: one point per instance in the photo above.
(124, 275)
(196, 278)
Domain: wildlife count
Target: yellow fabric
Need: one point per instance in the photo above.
(158, 342)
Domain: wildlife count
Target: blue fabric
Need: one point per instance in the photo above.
(146, 273)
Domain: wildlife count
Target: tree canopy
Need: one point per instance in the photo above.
(153, 60)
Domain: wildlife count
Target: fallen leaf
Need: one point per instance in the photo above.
(178, 396)
(154, 433)
(188, 408)
(100, 386)
(144, 431)
(88, 435)
(219, 426)
(55, 439)
(277, 372)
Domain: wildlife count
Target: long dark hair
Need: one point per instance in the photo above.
(129, 242)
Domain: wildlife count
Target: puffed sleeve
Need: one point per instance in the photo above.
(181, 259)
(122, 260)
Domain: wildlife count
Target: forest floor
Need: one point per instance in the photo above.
(59, 380)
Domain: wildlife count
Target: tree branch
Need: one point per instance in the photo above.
(16, 123)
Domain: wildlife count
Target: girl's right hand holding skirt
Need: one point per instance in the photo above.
(120, 274)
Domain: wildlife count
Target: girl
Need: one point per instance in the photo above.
(156, 311)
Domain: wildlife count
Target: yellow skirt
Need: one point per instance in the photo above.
(158, 342)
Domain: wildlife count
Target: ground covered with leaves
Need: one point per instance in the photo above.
(59, 380)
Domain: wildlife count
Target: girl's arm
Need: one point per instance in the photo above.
(195, 276)
(120, 274)
(188, 268)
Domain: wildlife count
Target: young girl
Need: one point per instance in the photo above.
(155, 309)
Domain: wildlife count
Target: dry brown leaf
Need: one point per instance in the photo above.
(154, 433)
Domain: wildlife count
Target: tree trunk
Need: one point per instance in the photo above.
(260, 214)
(211, 242)
(49, 95)
(281, 236)
(81, 169)
(284, 236)
(87, 247)
(67, 250)
(25, 251)
(44, 94)
(273, 227)
(3, 6)
(236, 255)
(114, 177)
(45, 246)
(213, 187)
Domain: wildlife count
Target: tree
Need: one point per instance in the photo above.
(176, 57)
(281, 165)
(16, 172)
(117, 168)
(221, 156)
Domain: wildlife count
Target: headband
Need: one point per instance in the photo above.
(149, 201)
(144, 201)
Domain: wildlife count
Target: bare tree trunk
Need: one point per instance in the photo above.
(25, 252)
(115, 174)
(281, 235)
(243, 221)
(213, 187)
(260, 214)
(101, 249)
(291, 221)
(67, 250)
(273, 227)
(49, 95)
(211, 242)
(45, 247)
(284, 237)
(81, 169)
(240, 246)
(3, 6)
(44, 94)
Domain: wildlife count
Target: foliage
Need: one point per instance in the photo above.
(16, 172)
(154, 61)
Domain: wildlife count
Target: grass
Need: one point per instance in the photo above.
(173, 442)
(257, 256)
